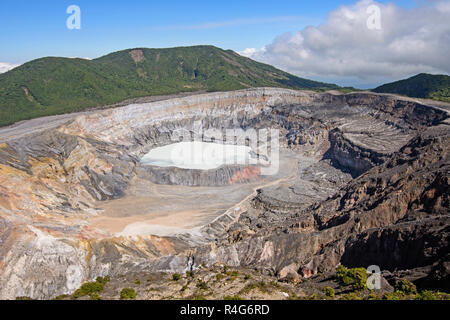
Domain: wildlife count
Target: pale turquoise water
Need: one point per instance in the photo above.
(198, 155)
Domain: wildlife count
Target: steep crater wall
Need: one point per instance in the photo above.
(51, 182)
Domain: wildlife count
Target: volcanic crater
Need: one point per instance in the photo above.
(77, 201)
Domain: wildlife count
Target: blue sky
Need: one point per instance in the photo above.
(32, 29)
(284, 33)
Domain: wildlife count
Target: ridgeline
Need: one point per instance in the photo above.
(52, 85)
(428, 86)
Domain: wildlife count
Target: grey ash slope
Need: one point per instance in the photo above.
(396, 149)
(395, 214)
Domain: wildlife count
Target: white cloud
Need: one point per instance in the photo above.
(344, 49)
(249, 52)
(4, 66)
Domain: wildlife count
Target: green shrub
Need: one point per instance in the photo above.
(351, 296)
(233, 274)
(176, 276)
(95, 296)
(87, 289)
(219, 276)
(127, 294)
(360, 276)
(406, 287)
(202, 285)
(274, 284)
(103, 280)
(329, 292)
(426, 295)
(373, 296)
(61, 297)
(357, 277)
(314, 296)
(261, 286)
(294, 297)
(442, 296)
(247, 277)
(249, 288)
(190, 274)
(394, 296)
(137, 282)
(91, 289)
(23, 298)
(341, 273)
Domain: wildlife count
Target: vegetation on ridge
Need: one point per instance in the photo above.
(54, 85)
(91, 289)
(343, 284)
(436, 87)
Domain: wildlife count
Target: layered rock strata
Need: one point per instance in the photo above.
(53, 183)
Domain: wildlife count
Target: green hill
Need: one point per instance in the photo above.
(423, 85)
(53, 85)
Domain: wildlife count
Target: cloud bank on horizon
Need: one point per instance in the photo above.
(345, 50)
(4, 66)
